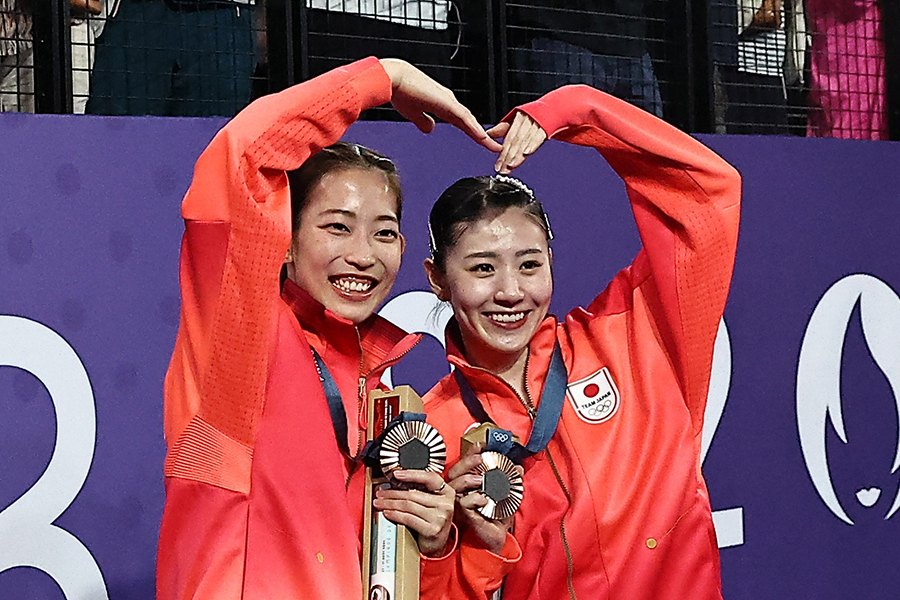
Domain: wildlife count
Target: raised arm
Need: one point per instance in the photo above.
(686, 202)
(238, 224)
(237, 230)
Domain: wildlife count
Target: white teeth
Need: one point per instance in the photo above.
(507, 317)
(352, 285)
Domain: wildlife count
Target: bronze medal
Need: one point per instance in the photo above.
(413, 445)
(501, 485)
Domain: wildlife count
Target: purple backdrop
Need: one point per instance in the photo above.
(89, 238)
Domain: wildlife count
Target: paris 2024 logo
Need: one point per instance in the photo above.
(819, 385)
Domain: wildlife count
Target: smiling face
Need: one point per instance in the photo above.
(497, 278)
(346, 251)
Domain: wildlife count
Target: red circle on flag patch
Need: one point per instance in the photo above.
(591, 390)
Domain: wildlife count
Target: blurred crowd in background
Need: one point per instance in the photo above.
(822, 68)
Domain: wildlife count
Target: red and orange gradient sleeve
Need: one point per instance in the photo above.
(237, 230)
(686, 203)
(468, 571)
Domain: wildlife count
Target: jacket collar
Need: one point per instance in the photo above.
(380, 342)
(492, 389)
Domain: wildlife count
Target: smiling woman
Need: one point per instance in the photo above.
(264, 486)
(609, 402)
(491, 261)
(346, 244)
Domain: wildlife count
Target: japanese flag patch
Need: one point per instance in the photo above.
(595, 398)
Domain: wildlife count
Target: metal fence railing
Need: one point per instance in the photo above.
(16, 57)
(790, 67)
(808, 67)
(175, 57)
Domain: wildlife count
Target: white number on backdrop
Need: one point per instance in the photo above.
(419, 312)
(416, 312)
(30, 539)
(729, 523)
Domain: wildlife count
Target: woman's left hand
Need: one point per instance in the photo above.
(463, 478)
(417, 96)
(521, 139)
(428, 513)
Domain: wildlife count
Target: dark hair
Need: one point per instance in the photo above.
(341, 156)
(474, 198)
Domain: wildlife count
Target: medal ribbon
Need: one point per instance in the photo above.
(335, 403)
(545, 421)
(499, 440)
(370, 452)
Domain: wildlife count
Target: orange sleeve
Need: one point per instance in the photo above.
(203, 536)
(238, 228)
(470, 571)
(686, 203)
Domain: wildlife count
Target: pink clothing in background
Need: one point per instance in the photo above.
(847, 87)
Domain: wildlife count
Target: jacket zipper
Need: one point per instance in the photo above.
(529, 406)
(362, 397)
(562, 527)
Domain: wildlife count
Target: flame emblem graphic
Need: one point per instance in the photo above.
(819, 374)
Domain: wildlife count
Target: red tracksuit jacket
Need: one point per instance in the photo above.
(616, 506)
(260, 504)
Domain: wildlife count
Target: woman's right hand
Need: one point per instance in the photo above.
(521, 139)
(463, 479)
(417, 96)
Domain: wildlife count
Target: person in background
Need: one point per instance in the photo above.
(17, 91)
(189, 58)
(601, 43)
(16, 57)
(890, 19)
(88, 21)
(770, 57)
(847, 95)
(423, 32)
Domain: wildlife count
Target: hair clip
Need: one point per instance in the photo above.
(520, 186)
(432, 245)
(516, 183)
